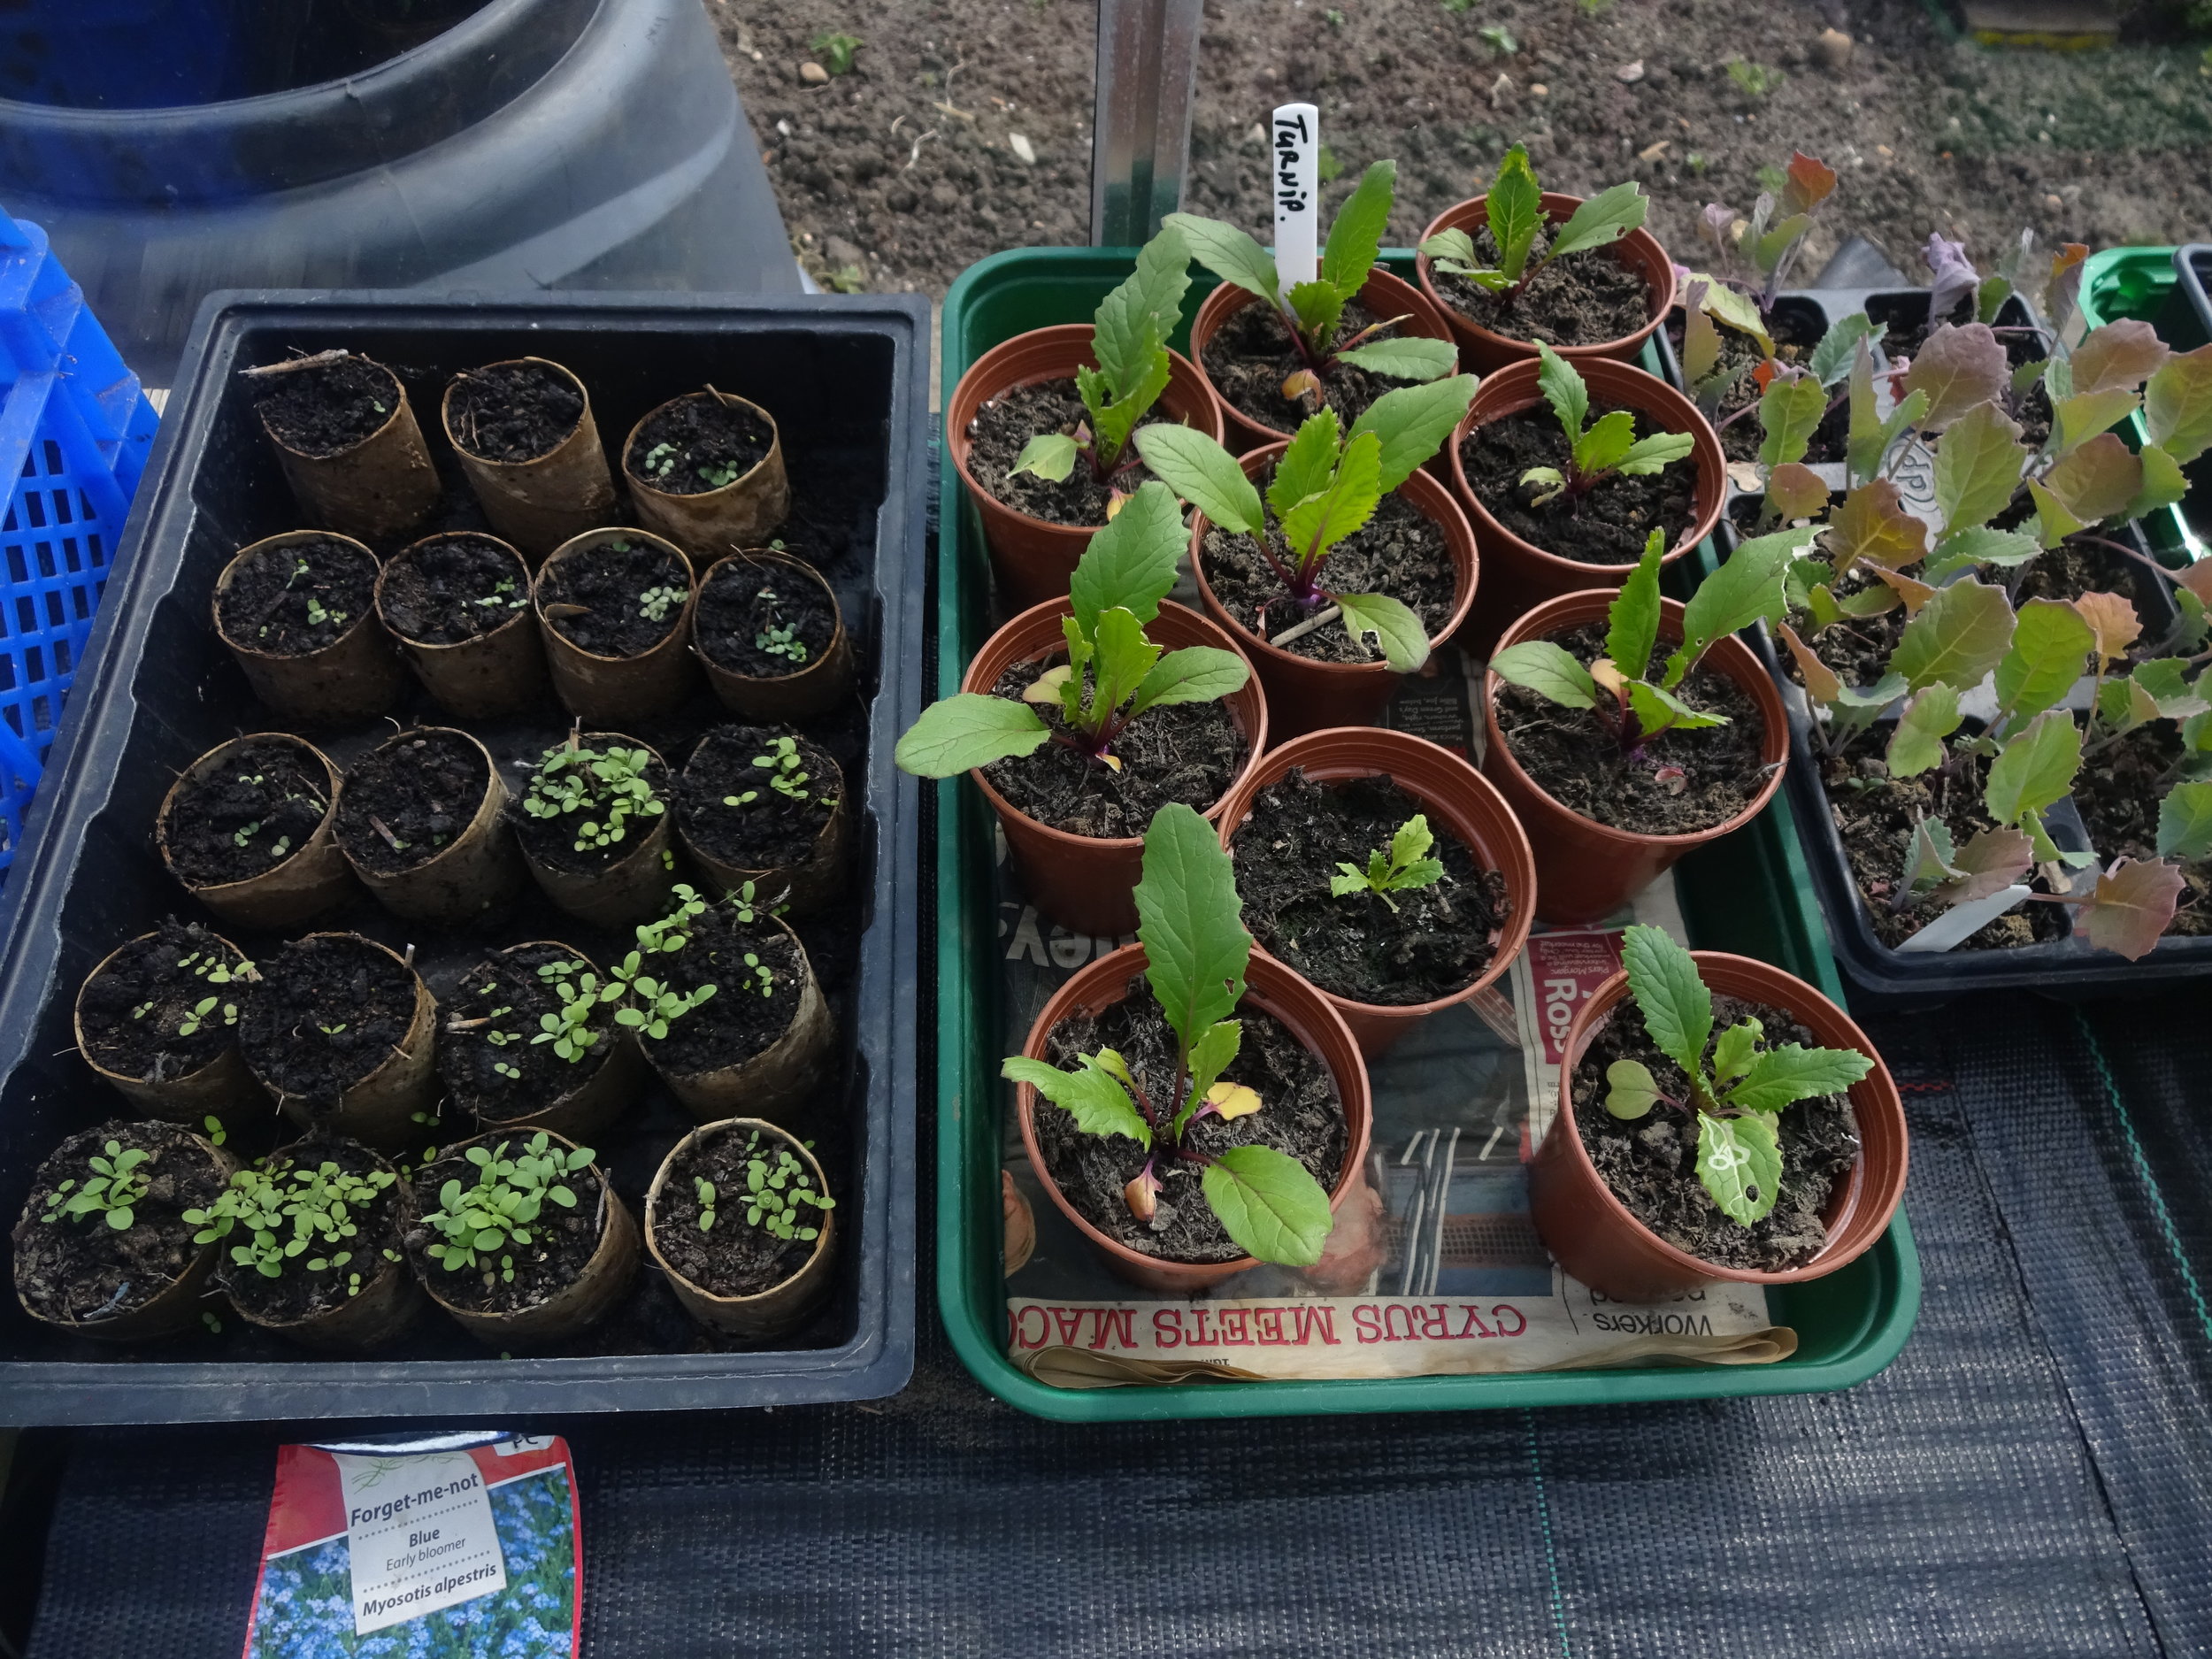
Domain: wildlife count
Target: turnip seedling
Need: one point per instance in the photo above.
(1514, 206)
(1595, 452)
(1401, 867)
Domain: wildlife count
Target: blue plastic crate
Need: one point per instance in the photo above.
(74, 431)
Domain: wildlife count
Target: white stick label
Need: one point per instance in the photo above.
(420, 1534)
(1297, 141)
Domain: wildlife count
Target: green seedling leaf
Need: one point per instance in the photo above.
(2027, 374)
(1319, 522)
(1190, 922)
(2165, 681)
(1204, 474)
(1098, 1103)
(2096, 480)
(1230, 254)
(2163, 483)
(2050, 647)
(1396, 630)
(1454, 250)
(1872, 526)
(1631, 1090)
(2053, 521)
(1957, 368)
(1633, 622)
(1197, 673)
(1721, 304)
(1653, 454)
(1563, 390)
(1739, 1163)
(2177, 406)
(1830, 362)
(1604, 446)
(2184, 821)
(1515, 206)
(1048, 455)
(1962, 549)
(2130, 908)
(1959, 635)
(1410, 357)
(1677, 1009)
(965, 732)
(1269, 1204)
(1603, 219)
(1131, 561)
(1734, 1049)
(1318, 306)
(1548, 670)
(1308, 463)
(1747, 588)
(1355, 237)
(1131, 327)
(1929, 856)
(1790, 410)
(1211, 1055)
(1412, 423)
(1976, 467)
(2077, 419)
(1916, 744)
(2035, 768)
(1658, 710)
(2118, 357)
(1125, 656)
(1701, 345)
(1780, 1076)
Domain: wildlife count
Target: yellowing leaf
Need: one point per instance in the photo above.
(2113, 620)
(1301, 384)
(1873, 524)
(2132, 906)
(1232, 1101)
(1821, 682)
(1914, 594)
(1046, 687)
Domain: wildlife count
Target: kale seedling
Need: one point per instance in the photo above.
(1326, 486)
(1404, 867)
(1190, 923)
(1596, 453)
(837, 51)
(1769, 246)
(1311, 311)
(1737, 1094)
(476, 1223)
(1114, 673)
(611, 785)
(303, 1208)
(118, 1182)
(1514, 206)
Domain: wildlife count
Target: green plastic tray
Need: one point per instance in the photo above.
(2123, 282)
(1752, 898)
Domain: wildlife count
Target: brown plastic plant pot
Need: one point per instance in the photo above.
(476, 870)
(379, 1110)
(1274, 989)
(1456, 796)
(1033, 560)
(782, 1307)
(743, 512)
(578, 1305)
(373, 488)
(614, 1078)
(175, 1307)
(1590, 1233)
(1486, 351)
(387, 1302)
(1305, 696)
(1086, 883)
(1518, 575)
(816, 688)
(801, 889)
(607, 690)
(539, 503)
(356, 677)
(636, 886)
(314, 878)
(222, 1083)
(1384, 295)
(1586, 871)
(495, 674)
(780, 1082)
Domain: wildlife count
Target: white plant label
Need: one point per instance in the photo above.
(420, 1534)
(1296, 137)
(1961, 922)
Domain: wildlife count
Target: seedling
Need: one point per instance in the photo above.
(836, 51)
(284, 1217)
(649, 1005)
(786, 776)
(1767, 245)
(569, 1030)
(118, 1182)
(1596, 453)
(613, 786)
(1405, 866)
(704, 1190)
(1191, 924)
(1114, 672)
(483, 1222)
(1737, 1094)
(1514, 206)
(1326, 486)
(654, 603)
(203, 1012)
(778, 1193)
(1756, 79)
(1311, 311)
(779, 640)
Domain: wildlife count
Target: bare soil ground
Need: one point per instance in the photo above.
(903, 171)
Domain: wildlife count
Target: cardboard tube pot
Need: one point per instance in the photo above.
(1518, 575)
(814, 688)
(743, 512)
(1033, 560)
(609, 689)
(1084, 882)
(375, 487)
(612, 1076)
(1586, 871)
(1590, 1233)
(495, 674)
(222, 1083)
(387, 1303)
(476, 870)
(780, 1081)
(578, 1305)
(539, 503)
(314, 878)
(1486, 351)
(1455, 796)
(380, 1108)
(1384, 295)
(1305, 696)
(780, 1307)
(636, 886)
(1271, 988)
(176, 1306)
(354, 677)
(805, 888)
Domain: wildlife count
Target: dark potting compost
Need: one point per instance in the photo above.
(1608, 524)
(254, 811)
(326, 410)
(1001, 430)
(1579, 299)
(291, 599)
(739, 1021)
(696, 444)
(561, 1239)
(2118, 791)
(616, 598)
(328, 1011)
(1675, 784)
(768, 827)
(493, 1021)
(134, 1011)
(449, 591)
(1651, 1162)
(1189, 752)
(1254, 352)
(1437, 940)
(553, 840)
(1400, 552)
(81, 1270)
(404, 803)
(1300, 1115)
(768, 621)
(513, 412)
(730, 1258)
(302, 1289)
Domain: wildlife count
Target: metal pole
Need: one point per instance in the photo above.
(1148, 64)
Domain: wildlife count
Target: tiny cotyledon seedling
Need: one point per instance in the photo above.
(1403, 867)
(303, 1210)
(607, 791)
(477, 1224)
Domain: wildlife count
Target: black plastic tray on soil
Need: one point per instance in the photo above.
(847, 380)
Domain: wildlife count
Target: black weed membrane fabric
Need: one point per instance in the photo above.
(2033, 1477)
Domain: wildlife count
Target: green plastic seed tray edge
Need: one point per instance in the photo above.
(2136, 282)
